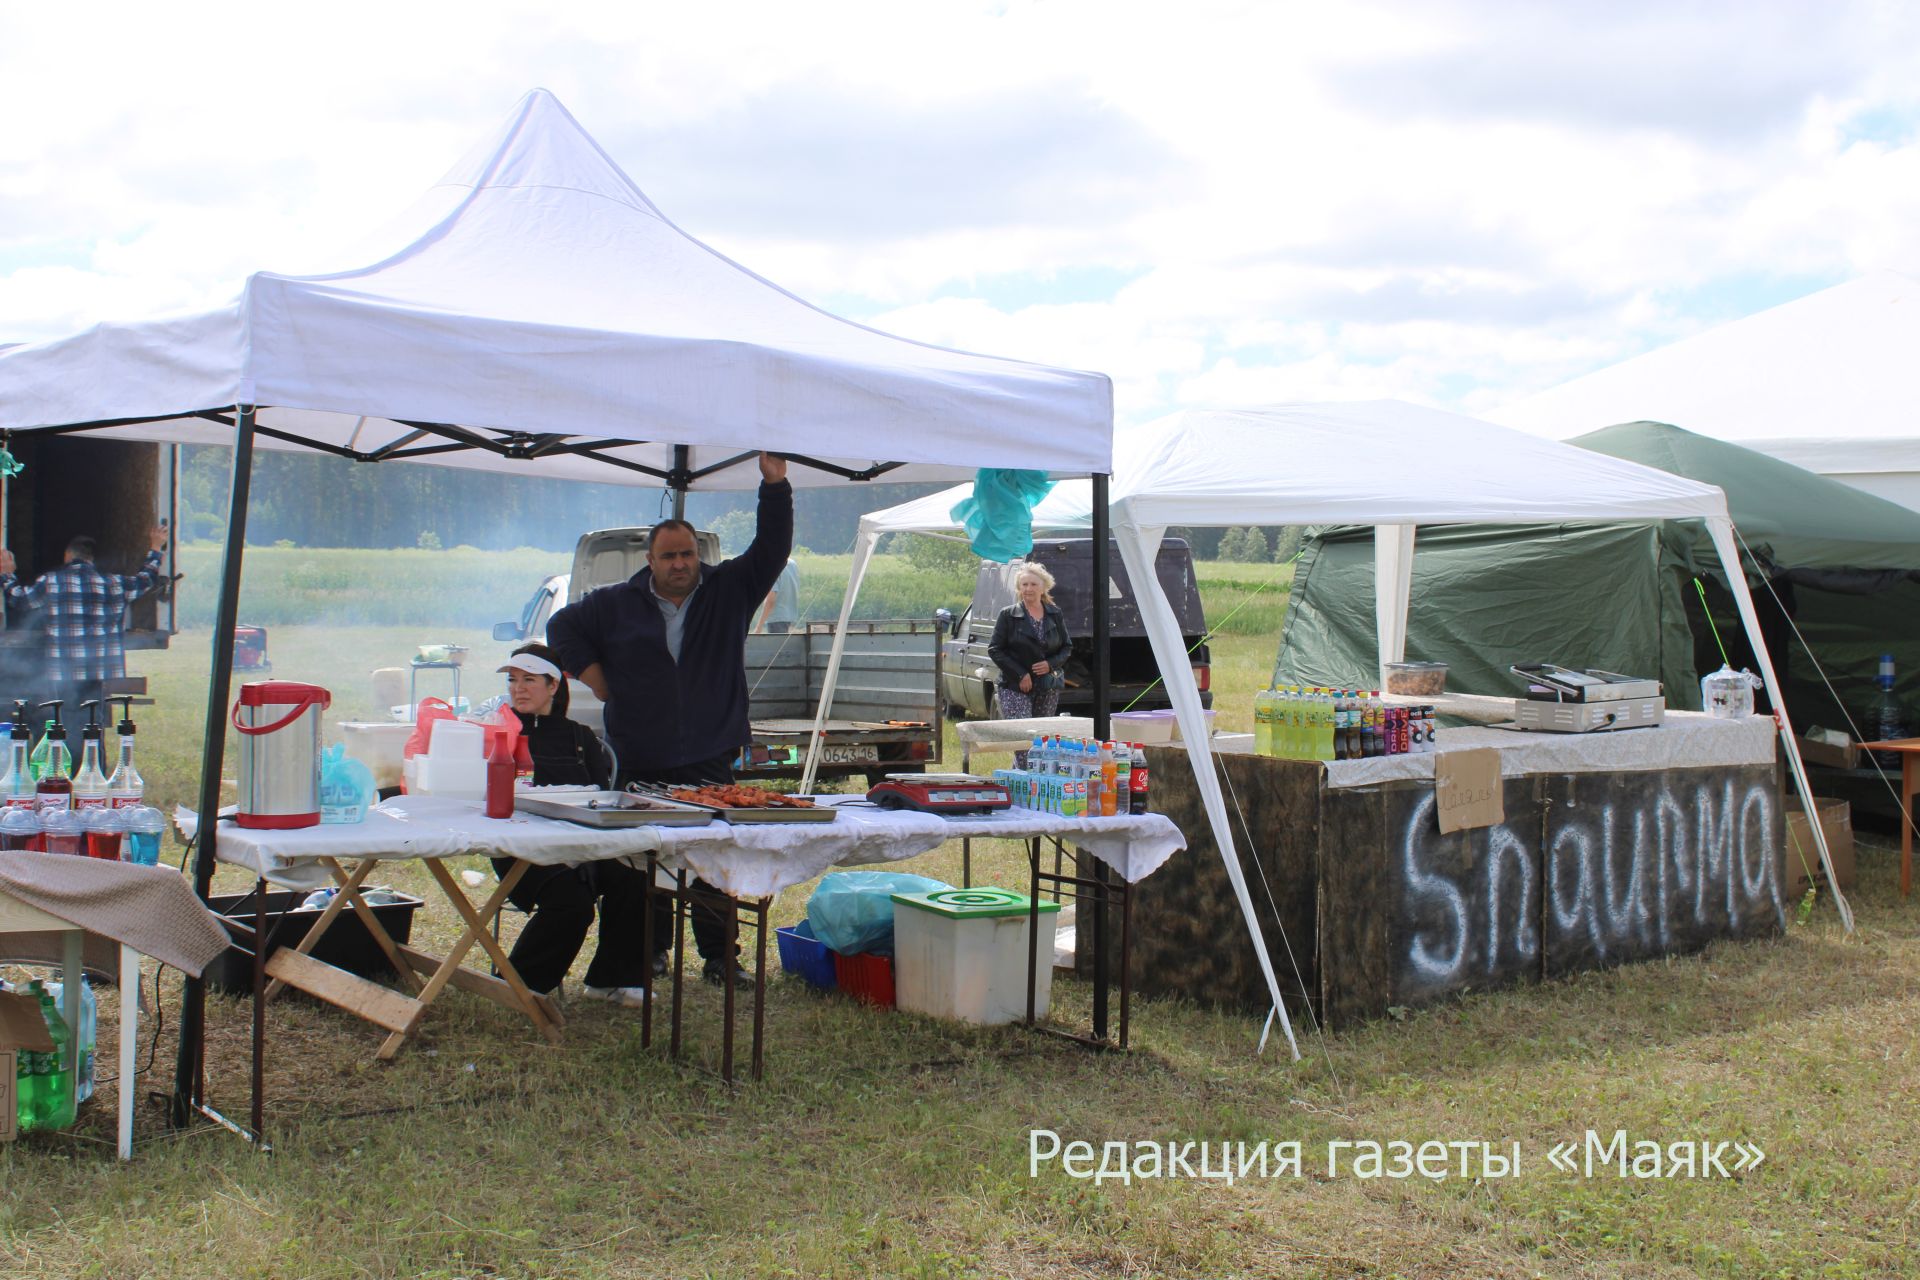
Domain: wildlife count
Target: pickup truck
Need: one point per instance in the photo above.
(887, 707)
(971, 680)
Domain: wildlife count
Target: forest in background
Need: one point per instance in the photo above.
(315, 500)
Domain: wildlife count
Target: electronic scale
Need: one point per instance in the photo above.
(940, 793)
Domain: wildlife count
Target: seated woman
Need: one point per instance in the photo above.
(560, 901)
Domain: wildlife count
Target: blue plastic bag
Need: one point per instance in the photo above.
(998, 517)
(346, 786)
(852, 911)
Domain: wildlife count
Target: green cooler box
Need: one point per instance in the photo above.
(962, 953)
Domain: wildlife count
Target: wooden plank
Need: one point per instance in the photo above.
(1355, 971)
(480, 984)
(363, 999)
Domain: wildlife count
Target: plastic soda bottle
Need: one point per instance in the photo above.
(54, 1106)
(1109, 781)
(1263, 722)
(126, 786)
(1137, 784)
(16, 785)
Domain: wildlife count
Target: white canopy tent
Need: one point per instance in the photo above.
(535, 313)
(1827, 382)
(539, 309)
(1392, 465)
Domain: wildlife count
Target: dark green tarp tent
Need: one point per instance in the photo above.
(1839, 562)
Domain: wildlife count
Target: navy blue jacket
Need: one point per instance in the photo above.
(661, 714)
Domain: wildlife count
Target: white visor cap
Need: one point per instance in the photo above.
(533, 665)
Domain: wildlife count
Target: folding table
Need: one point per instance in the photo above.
(750, 864)
(86, 902)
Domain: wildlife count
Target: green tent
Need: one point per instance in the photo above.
(1836, 561)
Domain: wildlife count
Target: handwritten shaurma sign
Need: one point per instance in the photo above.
(1466, 789)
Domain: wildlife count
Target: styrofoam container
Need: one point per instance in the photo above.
(457, 777)
(457, 739)
(962, 954)
(378, 746)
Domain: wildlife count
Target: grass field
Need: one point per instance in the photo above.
(888, 1145)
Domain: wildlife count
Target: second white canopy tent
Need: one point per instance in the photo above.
(1385, 463)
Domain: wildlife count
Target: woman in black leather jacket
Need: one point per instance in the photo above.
(1030, 646)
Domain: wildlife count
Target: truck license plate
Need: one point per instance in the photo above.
(850, 753)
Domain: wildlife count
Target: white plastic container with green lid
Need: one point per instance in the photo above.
(962, 953)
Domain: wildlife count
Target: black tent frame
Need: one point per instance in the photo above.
(188, 1097)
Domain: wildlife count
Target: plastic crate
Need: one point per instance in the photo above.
(346, 945)
(962, 953)
(866, 977)
(805, 956)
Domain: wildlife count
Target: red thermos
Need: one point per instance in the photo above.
(500, 771)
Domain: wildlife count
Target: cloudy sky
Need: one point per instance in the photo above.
(1456, 202)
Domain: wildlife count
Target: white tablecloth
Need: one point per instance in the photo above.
(1687, 740)
(749, 860)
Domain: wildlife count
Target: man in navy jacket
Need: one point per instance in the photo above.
(666, 652)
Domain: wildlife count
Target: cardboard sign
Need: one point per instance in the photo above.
(1467, 791)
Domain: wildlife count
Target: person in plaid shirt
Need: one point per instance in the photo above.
(86, 614)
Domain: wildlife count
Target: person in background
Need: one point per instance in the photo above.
(1030, 646)
(86, 620)
(560, 901)
(782, 610)
(666, 652)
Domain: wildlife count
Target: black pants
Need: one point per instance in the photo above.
(709, 926)
(561, 903)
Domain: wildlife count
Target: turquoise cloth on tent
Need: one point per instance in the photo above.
(998, 517)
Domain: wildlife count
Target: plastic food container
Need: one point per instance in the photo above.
(1416, 679)
(962, 954)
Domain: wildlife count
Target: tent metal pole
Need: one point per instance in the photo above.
(1102, 730)
(1102, 573)
(679, 481)
(193, 1004)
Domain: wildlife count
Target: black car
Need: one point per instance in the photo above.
(971, 678)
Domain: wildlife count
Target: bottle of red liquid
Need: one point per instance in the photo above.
(500, 770)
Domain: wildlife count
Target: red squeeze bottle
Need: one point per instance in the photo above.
(500, 770)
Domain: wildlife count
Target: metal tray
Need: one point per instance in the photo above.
(740, 814)
(819, 813)
(611, 809)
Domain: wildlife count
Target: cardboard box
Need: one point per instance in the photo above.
(1813, 752)
(1836, 821)
(22, 1029)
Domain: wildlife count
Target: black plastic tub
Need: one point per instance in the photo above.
(347, 945)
